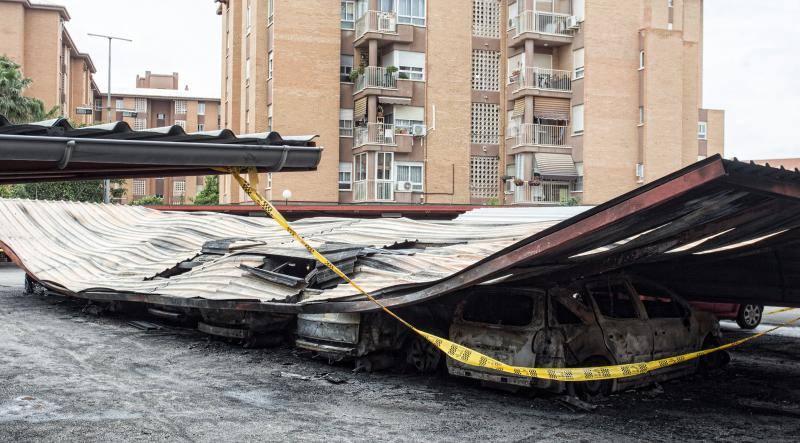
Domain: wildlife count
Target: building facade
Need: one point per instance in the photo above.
(477, 101)
(158, 102)
(34, 36)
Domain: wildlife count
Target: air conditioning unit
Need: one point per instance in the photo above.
(405, 186)
(573, 22)
(419, 130)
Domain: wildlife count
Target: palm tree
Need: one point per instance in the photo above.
(13, 105)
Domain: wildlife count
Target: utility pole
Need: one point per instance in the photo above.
(106, 182)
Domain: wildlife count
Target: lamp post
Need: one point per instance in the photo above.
(287, 194)
(106, 182)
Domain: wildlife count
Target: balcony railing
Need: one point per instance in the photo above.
(376, 77)
(541, 135)
(374, 134)
(543, 23)
(376, 21)
(547, 192)
(545, 79)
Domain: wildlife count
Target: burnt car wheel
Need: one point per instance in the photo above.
(749, 316)
(715, 360)
(422, 355)
(588, 390)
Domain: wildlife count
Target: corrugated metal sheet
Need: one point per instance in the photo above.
(82, 247)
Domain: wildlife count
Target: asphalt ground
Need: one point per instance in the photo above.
(69, 375)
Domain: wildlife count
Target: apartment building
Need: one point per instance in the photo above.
(477, 101)
(34, 36)
(158, 101)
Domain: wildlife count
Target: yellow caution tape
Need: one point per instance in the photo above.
(779, 310)
(474, 358)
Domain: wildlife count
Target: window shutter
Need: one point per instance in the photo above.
(360, 108)
(551, 108)
(519, 107)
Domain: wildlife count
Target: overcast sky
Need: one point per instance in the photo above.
(751, 59)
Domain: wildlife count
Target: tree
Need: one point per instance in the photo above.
(13, 105)
(148, 200)
(210, 193)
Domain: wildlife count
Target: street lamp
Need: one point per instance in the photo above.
(287, 194)
(106, 182)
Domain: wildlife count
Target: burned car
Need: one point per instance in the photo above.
(596, 322)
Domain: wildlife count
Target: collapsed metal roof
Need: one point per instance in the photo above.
(133, 253)
(717, 230)
(53, 150)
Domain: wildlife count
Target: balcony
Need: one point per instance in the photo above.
(376, 77)
(375, 134)
(376, 21)
(542, 81)
(541, 138)
(547, 192)
(545, 27)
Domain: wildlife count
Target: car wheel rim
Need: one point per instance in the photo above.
(752, 314)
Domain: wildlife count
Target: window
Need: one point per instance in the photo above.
(516, 65)
(513, 15)
(641, 115)
(140, 105)
(499, 309)
(247, 69)
(345, 68)
(670, 3)
(409, 172)
(509, 183)
(641, 60)
(139, 124)
(346, 123)
(579, 179)
(161, 116)
(485, 123)
(410, 65)
(577, 63)
(181, 123)
(578, 8)
(383, 165)
(640, 172)
(702, 130)
(577, 119)
(138, 186)
(613, 300)
(406, 117)
(348, 15)
(98, 104)
(483, 175)
(486, 18)
(411, 12)
(120, 104)
(201, 108)
(269, 65)
(485, 70)
(201, 127)
(178, 188)
(563, 315)
(658, 302)
(360, 166)
(345, 176)
(180, 106)
(512, 124)
(269, 118)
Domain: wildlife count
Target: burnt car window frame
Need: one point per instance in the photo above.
(537, 295)
(638, 309)
(683, 304)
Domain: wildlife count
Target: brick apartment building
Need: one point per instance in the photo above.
(474, 101)
(158, 101)
(34, 36)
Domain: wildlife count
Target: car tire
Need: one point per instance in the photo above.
(589, 390)
(422, 355)
(749, 316)
(715, 360)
